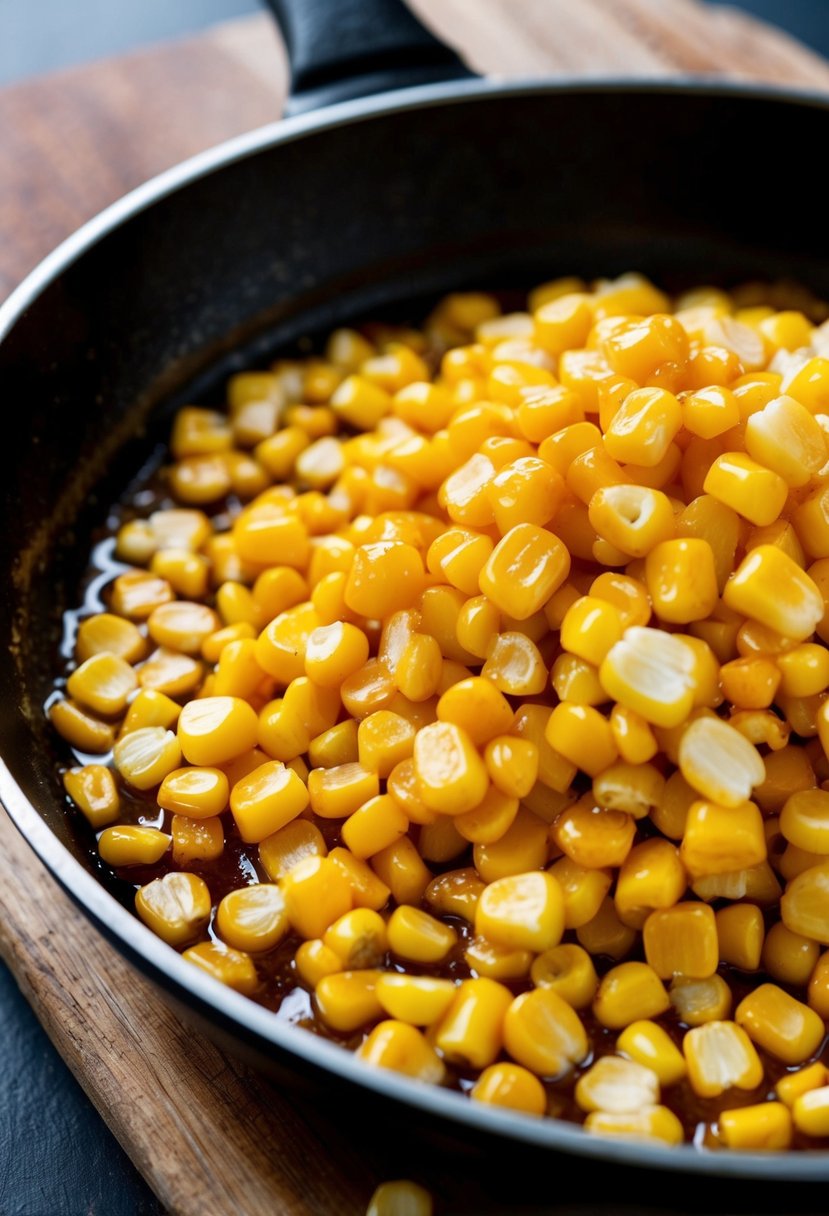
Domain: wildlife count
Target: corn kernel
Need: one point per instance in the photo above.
(515, 666)
(719, 840)
(594, 837)
(176, 907)
(266, 800)
(811, 1112)
(651, 673)
(772, 589)
(455, 893)
(720, 1056)
(524, 570)
(649, 1045)
(740, 931)
(452, 775)
(568, 971)
(818, 992)
(628, 993)
(785, 437)
(583, 890)
(347, 1000)
(767, 1127)
(92, 788)
(652, 877)
(782, 1026)
(617, 1085)
(543, 1033)
(523, 911)
(804, 905)
(316, 893)
(583, 736)
(231, 967)
(252, 918)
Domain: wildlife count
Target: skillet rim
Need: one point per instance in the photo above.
(213, 1001)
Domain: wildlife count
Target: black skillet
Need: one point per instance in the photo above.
(357, 208)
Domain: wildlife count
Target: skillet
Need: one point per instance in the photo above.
(412, 179)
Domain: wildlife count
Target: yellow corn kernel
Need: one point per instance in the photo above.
(818, 992)
(681, 579)
(347, 1000)
(196, 840)
(375, 825)
(478, 624)
(103, 683)
(512, 765)
(522, 911)
(804, 670)
(710, 411)
(634, 519)
(511, 1086)
(136, 594)
(495, 961)
(653, 1123)
(617, 1085)
(785, 437)
(316, 894)
(650, 1046)
(278, 453)
(182, 625)
(583, 890)
(145, 757)
(334, 652)
(358, 938)
(583, 736)
(651, 673)
(129, 845)
(232, 967)
(404, 787)
(772, 589)
(452, 776)
(470, 1034)
(633, 736)
(767, 1127)
(105, 633)
(593, 837)
(213, 730)
(252, 918)
(755, 492)
(401, 1198)
(195, 792)
(384, 739)
(782, 1026)
(719, 763)
(419, 937)
(401, 872)
(543, 1033)
(522, 848)
(335, 746)
(740, 931)
(671, 815)
(527, 565)
(569, 972)
(281, 646)
(384, 578)
(266, 800)
(476, 706)
(721, 1056)
(763, 726)
(750, 683)
(367, 889)
(515, 666)
(804, 907)
(719, 840)
(682, 941)
(554, 770)
(643, 427)
(280, 734)
(652, 877)
(92, 788)
(788, 771)
(628, 993)
(811, 1112)
(402, 1048)
(419, 668)
(80, 729)
(791, 1085)
(563, 322)
(789, 957)
(590, 627)
(526, 490)
(588, 472)
(176, 907)
(171, 673)
(455, 893)
(605, 933)
(490, 819)
(418, 1000)
(634, 788)
(577, 681)
(804, 820)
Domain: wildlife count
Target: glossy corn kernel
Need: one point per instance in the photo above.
(136, 594)
(653, 1123)
(512, 765)
(649, 1045)
(93, 790)
(569, 972)
(682, 580)
(196, 792)
(419, 937)
(266, 800)
(334, 652)
(543, 1033)
(818, 991)
(644, 426)
(522, 911)
(697, 1001)
(789, 957)
(780, 1025)
(786, 437)
(583, 890)
(105, 633)
(652, 877)
(130, 845)
(401, 1198)
(804, 820)
(451, 774)
(606, 933)
(721, 1056)
(419, 1000)
(316, 894)
(176, 907)
(213, 730)
(145, 757)
(635, 519)
(234, 968)
(811, 1112)
(81, 729)
(103, 683)
(347, 1000)
(358, 938)
(476, 706)
(455, 893)
(617, 1085)
(753, 491)
(804, 906)
(651, 673)
(314, 961)
(719, 763)
(771, 588)
(402, 1048)
(740, 933)
(470, 1034)
(583, 736)
(375, 825)
(515, 665)
(335, 746)
(766, 1127)
(629, 993)
(791, 1085)
(252, 918)
(720, 840)
(524, 570)
(337, 792)
(593, 837)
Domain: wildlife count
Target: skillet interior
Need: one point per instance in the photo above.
(338, 217)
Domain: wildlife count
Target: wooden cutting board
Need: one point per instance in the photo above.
(209, 1136)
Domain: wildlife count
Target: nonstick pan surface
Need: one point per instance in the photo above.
(364, 206)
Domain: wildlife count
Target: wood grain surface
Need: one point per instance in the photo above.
(210, 1136)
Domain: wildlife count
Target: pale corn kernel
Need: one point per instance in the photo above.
(792, 1084)
(648, 1044)
(811, 1112)
(515, 665)
(653, 1123)
(721, 1056)
(176, 907)
(781, 1025)
(786, 437)
(252, 918)
(544, 1034)
(718, 762)
(195, 792)
(93, 790)
(617, 1085)
(452, 776)
(146, 756)
(651, 673)
(699, 1001)
(471, 1032)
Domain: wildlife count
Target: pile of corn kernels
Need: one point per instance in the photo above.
(495, 653)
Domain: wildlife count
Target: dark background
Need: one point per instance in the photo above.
(57, 1158)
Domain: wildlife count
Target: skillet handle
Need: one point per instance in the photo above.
(339, 49)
